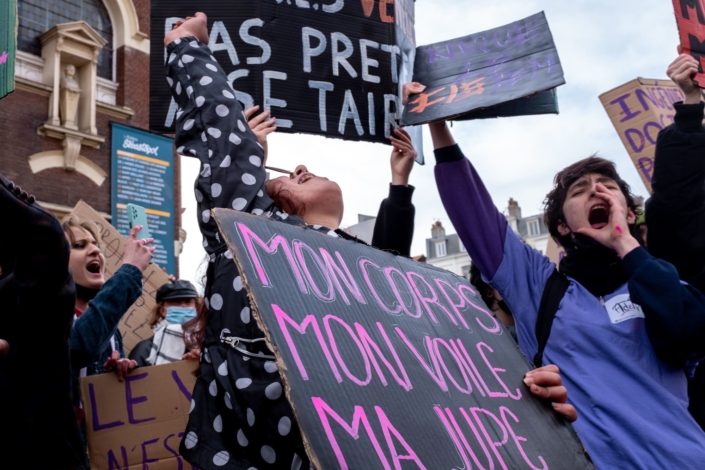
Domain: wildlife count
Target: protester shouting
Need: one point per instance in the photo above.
(598, 338)
(675, 218)
(176, 308)
(96, 343)
(38, 426)
(239, 415)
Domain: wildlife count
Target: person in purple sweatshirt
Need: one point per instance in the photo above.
(632, 407)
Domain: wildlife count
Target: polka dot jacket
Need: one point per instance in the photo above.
(239, 418)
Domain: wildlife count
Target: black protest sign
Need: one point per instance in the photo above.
(545, 102)
(483, 70)
(388, 360)
(328, 67)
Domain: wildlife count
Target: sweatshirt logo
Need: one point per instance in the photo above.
(621, 308)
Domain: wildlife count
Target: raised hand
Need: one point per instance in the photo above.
(137, 253)
(411, 88)
(122, 367)
(681, 71)
(403, 157)
(196, 26)
(616, 233)
(261, 126)
(545, 382)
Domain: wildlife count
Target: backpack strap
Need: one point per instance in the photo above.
(553, 292)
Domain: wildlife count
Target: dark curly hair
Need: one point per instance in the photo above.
(564, 179)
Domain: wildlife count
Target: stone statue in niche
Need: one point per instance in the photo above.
(69, 95)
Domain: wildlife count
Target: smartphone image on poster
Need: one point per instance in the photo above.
(136, 215)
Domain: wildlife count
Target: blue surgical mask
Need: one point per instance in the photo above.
(180, 315)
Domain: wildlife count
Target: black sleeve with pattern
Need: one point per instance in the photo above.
(211, 126)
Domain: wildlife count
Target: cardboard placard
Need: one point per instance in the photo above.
(133, 326)
(385, 359)
(138, 423)
(8, 45)
(329, 68)
(690, 17)
(638, 110)
(484, 69)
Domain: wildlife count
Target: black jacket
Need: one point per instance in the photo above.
(675, 218)
(394, 228)
(675, 213)
(37, 297)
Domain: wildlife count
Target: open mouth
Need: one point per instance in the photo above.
(599, 217)
(94, 267)
(306, 177)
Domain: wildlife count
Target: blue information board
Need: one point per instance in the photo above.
(143, 174)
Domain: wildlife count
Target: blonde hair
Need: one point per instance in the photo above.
(72, 221)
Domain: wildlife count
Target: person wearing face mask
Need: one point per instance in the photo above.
(176, 308)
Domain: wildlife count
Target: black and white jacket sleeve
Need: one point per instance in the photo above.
(211, 126)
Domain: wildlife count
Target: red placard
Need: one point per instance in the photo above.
(690, 16)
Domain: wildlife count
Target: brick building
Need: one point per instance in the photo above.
(105, 43)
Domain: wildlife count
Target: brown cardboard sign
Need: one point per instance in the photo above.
(639, 110)
(389, 363)
(134, 324)
(139, 422)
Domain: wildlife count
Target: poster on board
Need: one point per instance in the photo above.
(327, 68)
(484, 69)
(639, 109)
(139, 422)
(134, 325)
(142, 173)
(388, 360)
(690, 17)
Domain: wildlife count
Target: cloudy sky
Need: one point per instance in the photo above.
(602, 44)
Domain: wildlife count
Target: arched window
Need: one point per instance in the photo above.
(36, 17)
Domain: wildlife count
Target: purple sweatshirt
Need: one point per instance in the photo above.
(633, 408)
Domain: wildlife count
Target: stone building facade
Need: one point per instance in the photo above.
(95, 52)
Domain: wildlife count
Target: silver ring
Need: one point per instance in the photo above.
(144, 241)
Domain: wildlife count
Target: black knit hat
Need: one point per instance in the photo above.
(180, 289)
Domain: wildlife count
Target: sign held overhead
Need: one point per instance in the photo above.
(483, 70)
(639, 110)
(330, 68)
(690, 16)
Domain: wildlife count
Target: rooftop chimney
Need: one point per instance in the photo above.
(437, 230)
(514, 209)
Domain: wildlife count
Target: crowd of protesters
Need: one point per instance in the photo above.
(61, 315)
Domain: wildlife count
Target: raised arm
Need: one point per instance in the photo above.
(675, 213)
(481, 227)
(92, 331)
(394, 227)
(211, 126)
